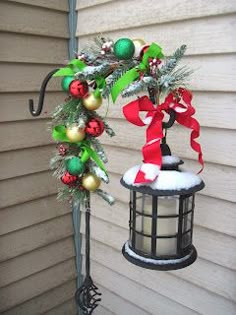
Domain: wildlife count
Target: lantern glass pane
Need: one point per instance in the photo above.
(188, 204)
(143, 243)
(141, 202)
(186, 240)
(187, 222)
(144, 224)
(167, 226)
(168, 205)
(166, 246)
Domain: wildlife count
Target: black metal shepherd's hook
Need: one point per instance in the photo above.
(41, 95)
(87, 296)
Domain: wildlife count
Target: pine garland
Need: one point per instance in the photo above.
(102, 70)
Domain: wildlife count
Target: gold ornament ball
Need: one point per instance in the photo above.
(91, 182)
(138, 44)
(92, 102)
(75, 134)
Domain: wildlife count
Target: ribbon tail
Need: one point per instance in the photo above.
(193, 124)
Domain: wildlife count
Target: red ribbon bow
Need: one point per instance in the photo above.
(180, 102)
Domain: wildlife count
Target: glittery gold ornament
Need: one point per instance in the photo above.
(91, 182)
(75, 134)
(92, 102)
(138, 44)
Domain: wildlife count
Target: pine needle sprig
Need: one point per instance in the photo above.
(91, 72)
(115, 76)
(139, 86)
(174, 80)
(171, 62)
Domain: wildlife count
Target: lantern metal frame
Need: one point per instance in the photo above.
(184, 255)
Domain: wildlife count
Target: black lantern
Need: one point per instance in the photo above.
(161, 218)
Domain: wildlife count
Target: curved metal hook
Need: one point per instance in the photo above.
(41, 95)
(170, 122)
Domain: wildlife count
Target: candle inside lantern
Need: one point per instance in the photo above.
(166, 206)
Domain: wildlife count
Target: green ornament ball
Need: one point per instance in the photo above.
(74, 166)
(124, 49)
(65, 83)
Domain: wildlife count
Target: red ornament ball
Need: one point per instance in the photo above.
(94, 127)
(78, 89)
(68, 179)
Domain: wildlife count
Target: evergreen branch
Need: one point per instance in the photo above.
(107, 197)
(99, 149)
(115, 76)
(68, 112)
(97, 171)
(139, 86)
(171, 62)
(172, 81)
(91, 72)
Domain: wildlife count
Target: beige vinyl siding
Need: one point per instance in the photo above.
(37, 265)
(208, 286)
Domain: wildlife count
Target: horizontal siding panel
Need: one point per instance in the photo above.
(213, 109)
(35, 49)
(68, 307)
(35, 285)
(211, 174)
(26, 188)
(15, 105)
(33, 237)
(219, 279)
(18, 18)
(82, 4)
(134, 292)
(27, 78)
(100, 310)
(145, 13)
(118, 304)
(212, 73)
(210, 140)
(60, 5)
(176, 289)
(45, 301)
(35, 261)
(26, 161)
(201, 36)
(215, 214)
(30, 134)
(32, 212)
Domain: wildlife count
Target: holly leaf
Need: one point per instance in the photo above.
(77, 63)
(67, 71)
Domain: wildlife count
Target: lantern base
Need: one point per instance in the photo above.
(159, 264)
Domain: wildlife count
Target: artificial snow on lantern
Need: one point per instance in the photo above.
(161, 218)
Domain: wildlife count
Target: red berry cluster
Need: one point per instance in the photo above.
(62, 149)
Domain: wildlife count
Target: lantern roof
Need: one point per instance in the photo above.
(168, 182)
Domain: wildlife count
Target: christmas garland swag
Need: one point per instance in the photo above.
(108, 69)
